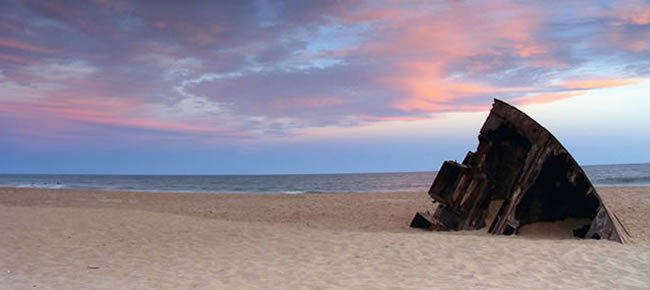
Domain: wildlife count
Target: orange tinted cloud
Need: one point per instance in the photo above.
(629, 30)
(642, 18)
(544, 98)
(577, 88)
(598, 83)
(437, 96)
(422, 105)
(529, 50)
(637, 12)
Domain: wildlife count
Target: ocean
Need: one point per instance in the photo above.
(600, 175)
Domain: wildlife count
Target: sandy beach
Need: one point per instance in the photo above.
(80, 239)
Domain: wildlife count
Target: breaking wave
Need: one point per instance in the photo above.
(40, 185)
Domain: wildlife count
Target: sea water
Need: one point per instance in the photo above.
(600, 175)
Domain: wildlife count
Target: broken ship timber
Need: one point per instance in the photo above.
(521, 169)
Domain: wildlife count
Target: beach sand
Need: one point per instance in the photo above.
(81, 239)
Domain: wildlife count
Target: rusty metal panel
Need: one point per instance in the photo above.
(522, 166)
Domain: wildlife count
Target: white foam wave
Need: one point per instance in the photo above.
(41, 185)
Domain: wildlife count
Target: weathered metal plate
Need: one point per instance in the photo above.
(524, 167)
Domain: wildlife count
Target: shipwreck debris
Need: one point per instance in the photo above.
(520, 169)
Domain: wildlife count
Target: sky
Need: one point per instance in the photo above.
(273, 87)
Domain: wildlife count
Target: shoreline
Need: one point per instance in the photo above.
(367, 211)
(80, 239)
(223, 192)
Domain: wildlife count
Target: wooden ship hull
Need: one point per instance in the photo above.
(520, 168)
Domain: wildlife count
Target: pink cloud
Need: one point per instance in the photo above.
(544, 98)
(637, 12)
(117, 112)
(412, 105)
(369, 15)
(9, 26)
(13, 58)
(462, 30)
(575, 88)
(598, 83)
(160, 24)
(530, 50)
(427, 90)
(629, 14)
(159, 69)
(441, 37)
(394, 118)
(20, 45)
(304, 102)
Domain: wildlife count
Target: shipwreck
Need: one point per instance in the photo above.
(522, 172)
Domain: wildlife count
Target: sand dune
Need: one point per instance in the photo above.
(63, 239)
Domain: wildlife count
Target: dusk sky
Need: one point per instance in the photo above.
(244, 87)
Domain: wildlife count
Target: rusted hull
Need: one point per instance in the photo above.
(522, 168)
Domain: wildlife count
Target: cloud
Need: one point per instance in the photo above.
(21, 45)
(598, 83)
(571, 89)
(544, 98)
(251, 69)
(118, 113)
(13, 58)
(55, 71)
